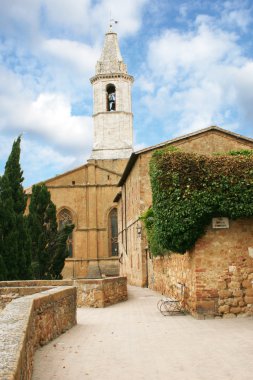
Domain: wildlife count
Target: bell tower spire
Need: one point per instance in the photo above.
(112, 104)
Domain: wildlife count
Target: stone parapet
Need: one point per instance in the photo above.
(8, 294)
(31, 321)
(101, 292)
(30, 283)
(90, 292)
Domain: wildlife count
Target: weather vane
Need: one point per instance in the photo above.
(112, 20)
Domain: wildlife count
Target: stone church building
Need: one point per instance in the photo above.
(136, 195)
(105, 198)
(84, 196)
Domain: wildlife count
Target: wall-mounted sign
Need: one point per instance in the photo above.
(220, 223)
(250, 252)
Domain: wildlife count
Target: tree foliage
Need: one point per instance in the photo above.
(189, 190)
(15, 241)
(48, 244)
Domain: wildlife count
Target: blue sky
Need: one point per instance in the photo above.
(192, 62)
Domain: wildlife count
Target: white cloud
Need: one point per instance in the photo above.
(49, 164)
(240, 18)
(178, 53)
(145, 84)
(199, 76)
(77, 55)
(49, 117)
(48, 51)
(236, 15)
(244, 93)
(88, 17)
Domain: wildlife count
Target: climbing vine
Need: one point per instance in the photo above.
(190, 189)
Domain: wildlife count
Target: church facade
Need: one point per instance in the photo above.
(105, 198)
(84, 196)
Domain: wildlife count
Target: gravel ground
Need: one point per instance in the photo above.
(132, 340)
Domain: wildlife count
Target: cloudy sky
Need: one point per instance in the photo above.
(192, 61)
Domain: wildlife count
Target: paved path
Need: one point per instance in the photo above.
(133, 341)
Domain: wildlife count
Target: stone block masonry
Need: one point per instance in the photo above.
(30, 321)
(8, 294)
(101, 292)
(90, 293)
(217, 272)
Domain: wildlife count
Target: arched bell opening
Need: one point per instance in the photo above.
(111, 97)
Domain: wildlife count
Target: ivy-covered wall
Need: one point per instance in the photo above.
(190, 189)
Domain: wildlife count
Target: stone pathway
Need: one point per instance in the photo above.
(133, 341)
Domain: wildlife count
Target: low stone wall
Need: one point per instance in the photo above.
(31, 321)
(217, 272)
(10, 290)
(30, 283)
(101, 292)
(92, 293)
(8, 294)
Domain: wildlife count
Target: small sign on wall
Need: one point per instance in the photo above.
(250, 252)
(220, 222)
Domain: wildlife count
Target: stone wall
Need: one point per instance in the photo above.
(8, 294)
(217, 272)
(31, 321)
(168, 272)
(81, 268)
(137, 196)
(92, 293)
(101, 292)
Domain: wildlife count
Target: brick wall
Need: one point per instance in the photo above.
(218, 272)
(31, 321)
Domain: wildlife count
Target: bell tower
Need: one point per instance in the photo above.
(112, 104)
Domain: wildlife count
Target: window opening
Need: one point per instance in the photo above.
(64, 219)
(111, 97)
(113, 232)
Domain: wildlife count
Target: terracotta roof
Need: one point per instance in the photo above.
(135, 155)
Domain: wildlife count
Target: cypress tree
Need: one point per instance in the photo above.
(16, 242)
(48, 244)
(3, 272)
(59, 251)
(14, 176)
(8, 230)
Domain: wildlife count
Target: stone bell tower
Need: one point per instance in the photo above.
(112, 105)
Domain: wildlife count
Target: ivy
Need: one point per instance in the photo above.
(189, 190)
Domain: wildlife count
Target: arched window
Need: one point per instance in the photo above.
(65, 218)
(111, 97)
(113, 232)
